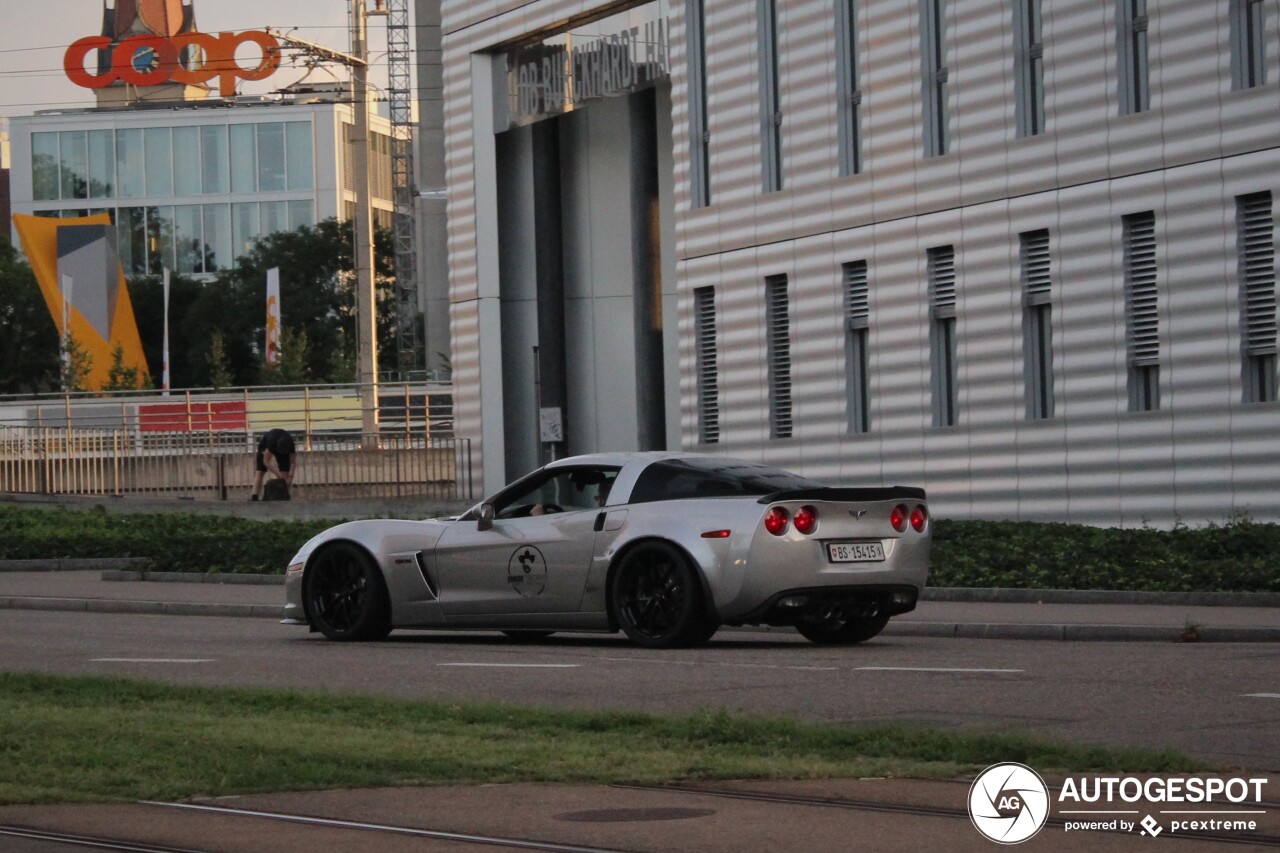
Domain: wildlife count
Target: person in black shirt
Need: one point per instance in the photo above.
(278, 454)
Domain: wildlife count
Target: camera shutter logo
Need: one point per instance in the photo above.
(1009, 803)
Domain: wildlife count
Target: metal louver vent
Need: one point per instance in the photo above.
(942, 282)
(857, 310)
(704, 319)
(778, 320)
(1258, 273)
(1141, 303)
(1036, 281)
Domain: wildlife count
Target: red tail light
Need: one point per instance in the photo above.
(919, 518)
(898, 518)
(776, 520)
(806, 519)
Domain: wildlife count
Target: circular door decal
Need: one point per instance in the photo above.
(527, 571)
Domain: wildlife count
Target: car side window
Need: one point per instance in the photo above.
(558, 490)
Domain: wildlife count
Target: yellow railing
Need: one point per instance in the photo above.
(201, 446)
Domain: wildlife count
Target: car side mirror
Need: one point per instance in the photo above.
(485, 521)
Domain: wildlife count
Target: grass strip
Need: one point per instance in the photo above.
(80, 739)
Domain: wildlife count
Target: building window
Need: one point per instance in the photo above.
(699, 132)
(770, 104)
(704, 335)
(778, 321)
(1142, 318)
(942, 334)
(1135, 94)
(1028, 60)
(1248, 54)
(1037, 325)
(934, 74)
(849, 97)
(1256, 244)
(857, 323)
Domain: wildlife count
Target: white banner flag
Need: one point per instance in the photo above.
(273, 315)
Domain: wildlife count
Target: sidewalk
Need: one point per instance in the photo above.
(86, 590)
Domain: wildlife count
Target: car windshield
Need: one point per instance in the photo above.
(677, 479)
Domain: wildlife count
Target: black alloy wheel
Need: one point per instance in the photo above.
(346, 598)
(657, 598)
(838, 630)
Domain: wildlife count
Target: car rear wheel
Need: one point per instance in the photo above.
(837, 630)
(345, 595)
(657, 598)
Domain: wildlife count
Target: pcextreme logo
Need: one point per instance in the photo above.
(151, 60)
(1009, 803)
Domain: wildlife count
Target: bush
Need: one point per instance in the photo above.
(1242, 556)
(172, 542)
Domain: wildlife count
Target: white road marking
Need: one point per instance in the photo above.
(721, 664)
(151, 660)
(1262, 695)
(928, 669)
(517, 665)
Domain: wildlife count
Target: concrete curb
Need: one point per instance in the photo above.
(1012, 595)
(192, 577)
(1081, 633)
(149, 608)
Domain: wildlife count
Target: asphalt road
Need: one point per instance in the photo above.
(1217, 702)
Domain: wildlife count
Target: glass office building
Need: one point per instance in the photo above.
(190, 187)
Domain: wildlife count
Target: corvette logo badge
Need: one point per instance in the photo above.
(857, 513)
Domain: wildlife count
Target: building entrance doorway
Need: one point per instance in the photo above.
(587, 281)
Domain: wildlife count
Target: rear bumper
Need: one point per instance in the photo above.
(795, 605)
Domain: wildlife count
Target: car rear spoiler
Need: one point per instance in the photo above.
(850, 495)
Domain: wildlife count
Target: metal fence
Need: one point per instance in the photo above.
(201, 446)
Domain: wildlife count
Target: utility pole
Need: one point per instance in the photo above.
(366, 301)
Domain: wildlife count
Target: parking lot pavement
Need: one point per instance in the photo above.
(87, 591)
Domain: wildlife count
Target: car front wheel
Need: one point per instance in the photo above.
(346, 598)
(657, 598)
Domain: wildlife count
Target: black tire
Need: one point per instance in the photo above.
(528, 635)
(346, 598)
(838, 631)
(657, 598)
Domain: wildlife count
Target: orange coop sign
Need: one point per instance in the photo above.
(151, 60)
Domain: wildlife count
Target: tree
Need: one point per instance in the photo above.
(76, 364)
(119, 377)
(29, 345)
(295, 355)
(317, 294)
(219, 371)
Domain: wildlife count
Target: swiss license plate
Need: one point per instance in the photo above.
(855, 552)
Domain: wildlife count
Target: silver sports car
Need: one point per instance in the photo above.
(666, 547)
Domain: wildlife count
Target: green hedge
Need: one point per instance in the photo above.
(1243, 556)
(173, 542)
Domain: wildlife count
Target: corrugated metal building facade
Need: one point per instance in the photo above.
(1022, 254)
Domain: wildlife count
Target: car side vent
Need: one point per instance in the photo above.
(427, 577)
